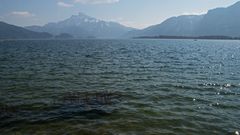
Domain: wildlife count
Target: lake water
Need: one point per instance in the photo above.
(176, 87)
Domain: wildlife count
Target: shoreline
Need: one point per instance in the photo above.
(189, 37)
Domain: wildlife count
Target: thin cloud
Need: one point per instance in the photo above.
(22, 14)
(66, 5)
(96, 1)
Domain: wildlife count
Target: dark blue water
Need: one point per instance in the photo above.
(123, 87)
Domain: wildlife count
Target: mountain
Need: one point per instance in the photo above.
(174, 26)
(221, 21)
(8, 31)
(82, 26)
(217, 22)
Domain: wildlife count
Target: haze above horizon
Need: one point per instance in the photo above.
(132, 13)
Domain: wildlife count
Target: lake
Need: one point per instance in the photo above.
(119, 87)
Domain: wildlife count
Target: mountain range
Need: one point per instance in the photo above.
(8, 31)
(83, 26)
(216, 22)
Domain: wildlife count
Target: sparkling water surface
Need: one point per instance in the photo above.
(157, 87)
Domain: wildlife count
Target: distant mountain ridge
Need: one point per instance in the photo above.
(8, 31)
(82, 26)
(217, 22)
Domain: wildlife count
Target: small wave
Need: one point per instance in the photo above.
(226, 85)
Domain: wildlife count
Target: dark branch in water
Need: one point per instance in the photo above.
(89, 98)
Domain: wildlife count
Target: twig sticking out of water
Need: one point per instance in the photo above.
(89, 98)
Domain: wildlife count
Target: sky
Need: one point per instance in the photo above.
(133, 13)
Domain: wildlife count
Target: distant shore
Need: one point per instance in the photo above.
(190, 37)
(140, 37)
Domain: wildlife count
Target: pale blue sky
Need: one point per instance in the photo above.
(134, 13)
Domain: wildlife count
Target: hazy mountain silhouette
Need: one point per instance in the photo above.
(8, 31)
(82, 26)
(174, 26)
(220, 21)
